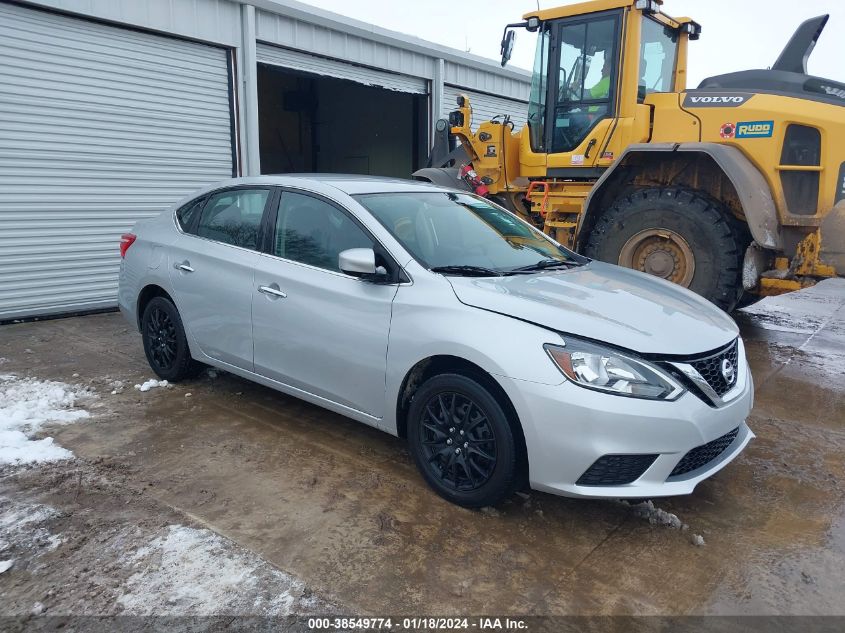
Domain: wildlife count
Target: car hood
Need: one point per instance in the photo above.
(606, 303)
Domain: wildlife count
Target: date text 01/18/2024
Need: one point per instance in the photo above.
(416, 623)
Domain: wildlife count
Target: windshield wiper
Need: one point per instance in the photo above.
(467, 271)
(545, 264)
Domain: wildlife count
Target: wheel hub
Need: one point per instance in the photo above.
(662, 253)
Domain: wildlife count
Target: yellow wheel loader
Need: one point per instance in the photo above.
(735, 189)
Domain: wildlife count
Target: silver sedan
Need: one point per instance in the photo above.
(432, 314)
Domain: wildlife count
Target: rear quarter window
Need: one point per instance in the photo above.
(186, 215)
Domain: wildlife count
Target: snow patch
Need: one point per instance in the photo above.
(6, 565)
(188, 571)
(151, 384)
(26, 405)
(22, 527)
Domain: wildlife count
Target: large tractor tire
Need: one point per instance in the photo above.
(679, 234)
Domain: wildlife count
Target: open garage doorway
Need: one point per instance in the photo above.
(311, 123)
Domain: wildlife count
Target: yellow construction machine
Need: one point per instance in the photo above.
(735, 189)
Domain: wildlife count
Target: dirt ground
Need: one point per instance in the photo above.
(218, 496)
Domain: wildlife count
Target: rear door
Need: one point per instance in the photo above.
(316, 328)
(211, 266)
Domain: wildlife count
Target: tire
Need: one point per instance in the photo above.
(165, 343)
(680, 234)
(485, 457)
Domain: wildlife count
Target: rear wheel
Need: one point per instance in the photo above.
(165, 343)
(678, 234)
(462, 441)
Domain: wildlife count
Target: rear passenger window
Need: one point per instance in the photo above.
(314, 232)
(186, 215)
(234, 217)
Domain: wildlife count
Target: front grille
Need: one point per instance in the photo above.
(616, 470)
(711, 369)
(704, 454)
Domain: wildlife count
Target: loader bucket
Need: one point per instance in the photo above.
(832, 233)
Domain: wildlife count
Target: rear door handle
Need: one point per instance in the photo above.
(184, 267)
(272, 290)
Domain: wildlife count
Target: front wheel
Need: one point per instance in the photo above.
(462, 441)
(679, 234)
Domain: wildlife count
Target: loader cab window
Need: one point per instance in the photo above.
(658, 56)
(586, 79)
(539, 88)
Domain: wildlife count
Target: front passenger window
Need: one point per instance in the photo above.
(234, 217)
(314, 232)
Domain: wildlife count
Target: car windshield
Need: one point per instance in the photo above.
(458, 233)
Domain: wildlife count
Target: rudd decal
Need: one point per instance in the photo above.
(755, 129)
(716, 99)
(728, 130)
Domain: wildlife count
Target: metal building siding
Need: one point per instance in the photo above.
(485, 107)
(289, 32)
(99, 127)
(305, 62)
(480, 79)
(215, 21)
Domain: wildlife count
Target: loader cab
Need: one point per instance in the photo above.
(593, 69)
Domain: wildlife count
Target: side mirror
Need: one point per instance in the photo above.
(359, 262)
(507, 46)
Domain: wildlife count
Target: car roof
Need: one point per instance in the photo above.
(348, 183)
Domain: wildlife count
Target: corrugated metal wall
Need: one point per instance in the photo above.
(217, 21)
(485, 106)
(99, 126)
(285, 30)
(479, 78)
(304, 62)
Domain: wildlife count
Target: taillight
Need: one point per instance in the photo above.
(126, 240)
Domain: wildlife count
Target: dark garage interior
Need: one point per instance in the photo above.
(311, 123)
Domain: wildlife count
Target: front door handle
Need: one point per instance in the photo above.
(184, 267)
(272, 290)
(590, 146)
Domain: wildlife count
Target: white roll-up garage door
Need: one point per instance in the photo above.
(485, 106)
(99, 127)
(308, 63)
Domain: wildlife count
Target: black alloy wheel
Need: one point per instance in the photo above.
(165, 343)
(462, 441)
(458, 441)
(160, 330)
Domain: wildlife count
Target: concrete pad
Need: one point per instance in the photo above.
(341, 506)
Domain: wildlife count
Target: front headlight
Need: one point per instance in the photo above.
(604, 369)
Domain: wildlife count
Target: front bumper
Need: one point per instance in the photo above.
(567, 428)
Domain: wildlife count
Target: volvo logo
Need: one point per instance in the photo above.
(716, 100)
(728, 372)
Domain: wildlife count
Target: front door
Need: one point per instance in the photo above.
(582, 89)
(211, 266)
(316, 328)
